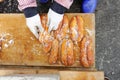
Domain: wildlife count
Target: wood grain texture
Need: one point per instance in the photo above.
(11, 71)
(26, 49)
(64, 75)
(81, 75)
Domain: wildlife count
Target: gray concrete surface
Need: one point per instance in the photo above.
(107, 32)
(108, 38)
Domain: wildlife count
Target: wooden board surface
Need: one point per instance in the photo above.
(11, 71)
(64, 75)
(78, 75)
(20, 47)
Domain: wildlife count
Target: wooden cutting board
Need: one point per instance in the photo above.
(20, 47)
(63, 75)
(81, 75)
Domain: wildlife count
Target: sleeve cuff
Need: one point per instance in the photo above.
(30, 12)
(58, 8)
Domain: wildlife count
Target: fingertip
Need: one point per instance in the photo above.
(55, 28)
(35, 32)
(37, 36)
(41, 28)
(50, 28)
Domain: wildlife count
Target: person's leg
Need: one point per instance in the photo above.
(89, 6)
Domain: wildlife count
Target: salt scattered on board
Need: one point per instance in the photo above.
(5, 41)
(11, 41)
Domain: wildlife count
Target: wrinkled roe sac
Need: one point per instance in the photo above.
(53, 57)
(86, 52)
(0, 45)
(67, 54)
(45, 37)
(63, 28)
(46, 41)
(76, 28)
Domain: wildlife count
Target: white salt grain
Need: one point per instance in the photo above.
(11, 41)
(6, 45)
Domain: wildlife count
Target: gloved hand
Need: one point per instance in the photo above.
(33, 21)
(55, 15)
(54, 19)
(34, 24)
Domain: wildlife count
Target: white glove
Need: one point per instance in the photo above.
(34, 24)
(53, 20)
